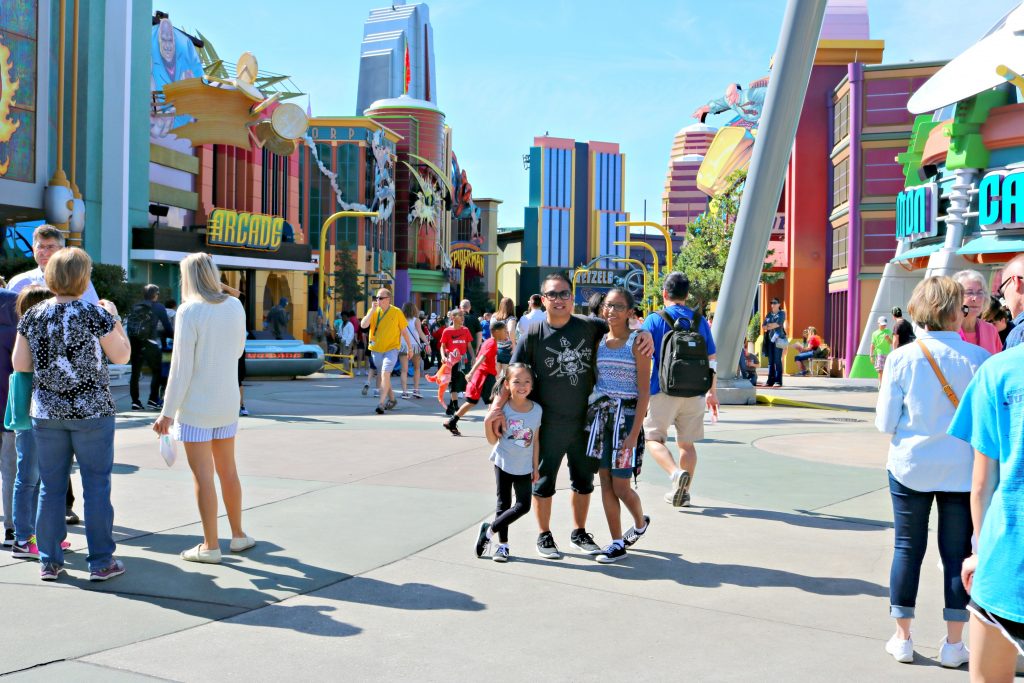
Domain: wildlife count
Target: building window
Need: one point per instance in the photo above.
(841, 120)
(840, 183)
(840, 247)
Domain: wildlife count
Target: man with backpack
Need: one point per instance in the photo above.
(682, 384)
(147, 325)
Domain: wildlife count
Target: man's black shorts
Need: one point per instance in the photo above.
(558, 440)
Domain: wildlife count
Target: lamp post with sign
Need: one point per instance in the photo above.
(497, 277)
(322, 271)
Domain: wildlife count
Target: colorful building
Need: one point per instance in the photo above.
(682, 201)
(72, 130)
(360, 154)
(577, 195)
(397, 55)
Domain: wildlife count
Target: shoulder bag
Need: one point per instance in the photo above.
(946, 389)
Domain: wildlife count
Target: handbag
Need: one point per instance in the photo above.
(779, 339)
(19, 401)
(946, 389)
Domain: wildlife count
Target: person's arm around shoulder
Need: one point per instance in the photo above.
(115, 342)
(496, 414)
(490, 433)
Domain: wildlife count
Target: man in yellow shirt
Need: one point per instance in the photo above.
(387, 328)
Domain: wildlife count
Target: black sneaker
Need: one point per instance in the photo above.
(243, 411)
(452, 426)
(546, 547)
(155, 405)
(632, 535)
(137, 405)
(583, 541)
(482, 542)
(70, 517)
(613, 553)
(452, 408)
(379, 410)
(8, 538)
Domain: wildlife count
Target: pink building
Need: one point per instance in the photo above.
(681, 201)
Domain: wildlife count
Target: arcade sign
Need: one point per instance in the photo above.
(1001, 200)
(243, 230)
(917, 212)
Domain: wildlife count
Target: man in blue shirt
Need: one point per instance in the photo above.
(991, 419)
(685, 412)
(1011, 291)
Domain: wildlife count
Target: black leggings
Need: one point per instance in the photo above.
(507, 512)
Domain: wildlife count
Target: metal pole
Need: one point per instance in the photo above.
(322, 270)
(497, 275)
(794, 58)
(664, 233)
(654, 254)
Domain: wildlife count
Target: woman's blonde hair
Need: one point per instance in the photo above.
(935, 303)
(68, 272)
(200, 279)
(506, 309)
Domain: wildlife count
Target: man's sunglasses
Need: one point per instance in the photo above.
(381, 298)
(564, 294)
(999, 292)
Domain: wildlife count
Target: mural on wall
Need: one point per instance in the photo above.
(463, 206)
(383, 178)
(18, 48)
(424, 213)
(733, 145)
(173, 58)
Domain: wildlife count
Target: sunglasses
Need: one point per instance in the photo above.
(564, 294)
(999, 292)
(381, 298)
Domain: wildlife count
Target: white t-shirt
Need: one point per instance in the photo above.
(534, 316)
(36, 277)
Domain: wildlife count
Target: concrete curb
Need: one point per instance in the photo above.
(793, 403)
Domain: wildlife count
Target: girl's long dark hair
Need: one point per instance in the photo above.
(502, 378)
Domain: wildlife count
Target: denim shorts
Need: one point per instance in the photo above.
(186, 433)
(386, 361)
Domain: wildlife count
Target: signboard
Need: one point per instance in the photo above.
(1001, 200)
(917, 212)
(18, 45)
(600, 280)
(244, 230)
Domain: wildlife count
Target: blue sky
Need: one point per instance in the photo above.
(609, 70)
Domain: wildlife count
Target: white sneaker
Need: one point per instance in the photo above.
(953, 656)
(901, 650)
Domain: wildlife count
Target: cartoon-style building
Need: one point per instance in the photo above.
(577, 195)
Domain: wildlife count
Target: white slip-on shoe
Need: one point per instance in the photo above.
(242, 544)
(953, 656)
(197, 554)
(901, 650)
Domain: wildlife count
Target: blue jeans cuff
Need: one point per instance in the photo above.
(950, 614)
(900, 612)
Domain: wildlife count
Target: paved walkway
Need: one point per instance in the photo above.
(365, 568)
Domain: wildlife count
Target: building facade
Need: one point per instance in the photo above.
(682, 201)
(577, 195)
(397, 55)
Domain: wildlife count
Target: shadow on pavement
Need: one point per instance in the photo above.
(804, 518)
(650, 565)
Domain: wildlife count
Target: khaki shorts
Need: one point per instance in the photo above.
(685, 412)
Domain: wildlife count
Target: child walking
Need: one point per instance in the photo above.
(482, 376)
(515, 458)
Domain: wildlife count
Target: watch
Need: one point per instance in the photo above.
(116, 318)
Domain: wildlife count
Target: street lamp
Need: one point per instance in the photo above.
(645, 245)
(462, 269)
(497, 277)
(322, 270)
(669, 252)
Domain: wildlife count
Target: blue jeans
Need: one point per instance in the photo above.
(806, 355)
(910, 513)
(774, 364)
(26, 487)
(92, 443)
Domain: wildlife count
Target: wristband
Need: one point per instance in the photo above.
(713, 364)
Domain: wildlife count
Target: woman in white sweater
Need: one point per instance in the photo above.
(201, 399)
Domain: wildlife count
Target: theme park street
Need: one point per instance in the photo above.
(365, 567)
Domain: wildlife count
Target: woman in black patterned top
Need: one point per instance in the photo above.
(63, 341)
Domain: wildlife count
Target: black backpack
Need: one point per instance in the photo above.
(684, 369)
(141, 323)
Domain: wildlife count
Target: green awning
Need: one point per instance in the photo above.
(992, 244)
(918, 252)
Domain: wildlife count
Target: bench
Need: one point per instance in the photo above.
(820, 367)
(343, 363)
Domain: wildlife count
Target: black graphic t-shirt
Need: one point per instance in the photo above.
(71, 381)
(563, 362)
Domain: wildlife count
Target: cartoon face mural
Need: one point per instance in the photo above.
(463, 206)
(18, 48)
(174, 58)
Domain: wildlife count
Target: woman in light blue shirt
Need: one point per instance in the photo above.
(926, 464)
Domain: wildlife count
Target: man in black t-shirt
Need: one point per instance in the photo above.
(472, 324)
(902, 330)
(562, 351)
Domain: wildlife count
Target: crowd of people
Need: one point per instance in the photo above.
(952, 398)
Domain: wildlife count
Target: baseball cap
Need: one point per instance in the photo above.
(882, 320)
